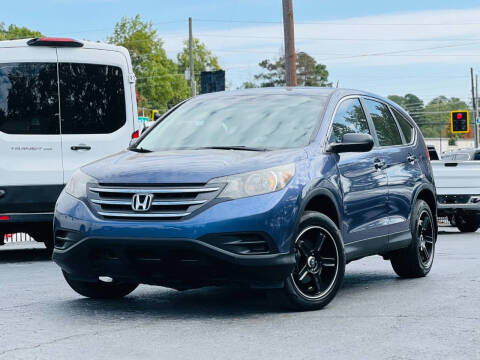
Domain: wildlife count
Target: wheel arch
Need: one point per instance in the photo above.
(427, 194)
(323, 201)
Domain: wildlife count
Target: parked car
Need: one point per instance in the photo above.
(458, 189)
(63, 103)
(275, 188)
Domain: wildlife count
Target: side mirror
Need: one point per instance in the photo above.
(352, 143)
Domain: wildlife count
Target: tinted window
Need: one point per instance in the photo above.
(257, 120)
(407, 129)
(92, 98)
(477, 156)
(29, 98)
(385, 127)
(349, 118)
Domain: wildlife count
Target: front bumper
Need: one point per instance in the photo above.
(183, 253)
(175, 263)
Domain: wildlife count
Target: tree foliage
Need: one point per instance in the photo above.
(309, 72)
(203, 60)
(159, 82)
(433, 118)
(15, 32)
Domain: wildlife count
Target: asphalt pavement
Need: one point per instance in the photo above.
(375, 315)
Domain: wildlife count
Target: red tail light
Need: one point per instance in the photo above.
(428, 154)
(54, 41)
(4, 217)
(135, 134)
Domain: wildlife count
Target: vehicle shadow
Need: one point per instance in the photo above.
(208, 303)
(9, 255)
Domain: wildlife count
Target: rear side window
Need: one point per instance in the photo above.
(29, 99)
(92, 98)
(349, 118)
(385, 126)
(407, 129)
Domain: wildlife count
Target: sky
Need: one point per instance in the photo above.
(421, 47)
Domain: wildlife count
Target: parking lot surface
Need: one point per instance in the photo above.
(375, 315)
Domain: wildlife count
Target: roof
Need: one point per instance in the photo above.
(86, 45)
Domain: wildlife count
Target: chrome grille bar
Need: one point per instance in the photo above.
(154, 203)
(154, 190)
(143, 215)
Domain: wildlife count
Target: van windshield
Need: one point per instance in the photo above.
(263, 121)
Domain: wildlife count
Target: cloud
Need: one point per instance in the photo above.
(436, 36)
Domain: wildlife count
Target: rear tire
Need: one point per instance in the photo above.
(320, 264)
(467, 222)
(416, 260)
(100, 289)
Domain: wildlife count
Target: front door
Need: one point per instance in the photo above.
(363, 182)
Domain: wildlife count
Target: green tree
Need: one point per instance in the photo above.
(203, 60)
(412, 104)
(437, 118)
(309, 72)
(160, 84)
(15, 32)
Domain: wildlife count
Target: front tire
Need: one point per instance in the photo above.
(320, 264)
(467, 222)
(416, 260)
(100, 289)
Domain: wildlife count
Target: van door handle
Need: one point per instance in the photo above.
(379, 164)
(80, 147)
(411, 158)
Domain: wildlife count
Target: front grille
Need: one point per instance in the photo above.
(168, 202)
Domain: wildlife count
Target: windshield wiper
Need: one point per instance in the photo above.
(140, 150)
(239, 147)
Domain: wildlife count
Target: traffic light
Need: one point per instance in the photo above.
(459, 122)
(212, 81)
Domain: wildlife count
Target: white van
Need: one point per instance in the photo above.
(63, 103)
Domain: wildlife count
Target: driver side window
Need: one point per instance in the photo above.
(349, 118)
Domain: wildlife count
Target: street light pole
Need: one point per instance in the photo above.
(289, 40)
(474, 103)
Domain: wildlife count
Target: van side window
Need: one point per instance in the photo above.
(92, 98)
(349, 118)
(385, 126)
(29, 99)
(405, 125)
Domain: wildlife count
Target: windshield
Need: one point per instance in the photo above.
(251, 121)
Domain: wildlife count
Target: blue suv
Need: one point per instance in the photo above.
(272, 188)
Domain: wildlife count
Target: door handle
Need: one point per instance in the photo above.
(80, 147)
(411, 158)
(379, 164)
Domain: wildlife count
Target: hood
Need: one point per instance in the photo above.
(185, 166)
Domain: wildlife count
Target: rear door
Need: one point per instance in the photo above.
(93, 106)
(30, 141)
(402, 168)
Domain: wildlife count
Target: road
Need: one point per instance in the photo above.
(375, 315)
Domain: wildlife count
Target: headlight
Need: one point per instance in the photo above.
(77, 186)
(256, 182)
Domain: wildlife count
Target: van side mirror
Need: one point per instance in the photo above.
(352, 143)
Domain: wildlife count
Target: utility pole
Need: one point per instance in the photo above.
(289, 40)
(193, 88)
(476, 106)
(474, 102)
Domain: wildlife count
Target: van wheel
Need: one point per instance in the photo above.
(320, 264)
(100, 289)
(416, 260)
(467, 222)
